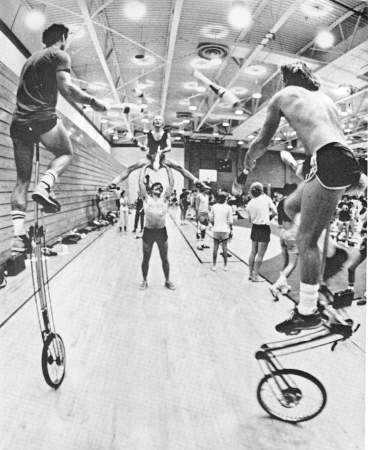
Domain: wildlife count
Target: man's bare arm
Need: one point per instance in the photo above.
(260, 143)
(142, 186)
(72, 92)
(169, 188)
(168, 144)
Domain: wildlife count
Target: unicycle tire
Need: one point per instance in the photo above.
(53, 360)
(298, 404)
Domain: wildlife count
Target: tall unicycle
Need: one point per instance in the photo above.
(53, 352)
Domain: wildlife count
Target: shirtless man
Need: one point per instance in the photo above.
(329, 170)
(44, 74)
(157, 141)
(155, 209)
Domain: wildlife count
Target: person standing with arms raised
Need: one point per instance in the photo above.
(44, 74)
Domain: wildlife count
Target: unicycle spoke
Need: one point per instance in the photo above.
(291, 395)
(53, 360)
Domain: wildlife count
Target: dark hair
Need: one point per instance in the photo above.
(122, 193)
(221, 197)
(54, 33)
(299, 74)
(256, 189)
(155, 184)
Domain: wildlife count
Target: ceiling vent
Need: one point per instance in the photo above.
(212, 50)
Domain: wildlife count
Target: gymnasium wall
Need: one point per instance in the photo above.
(92, 166)
(270, 170)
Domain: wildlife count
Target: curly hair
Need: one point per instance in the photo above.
(54, 33)
(299, 74)
(256, 189)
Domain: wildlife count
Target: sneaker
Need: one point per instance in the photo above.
(46, 199)
(213, 268)
(169, 285)
(335, 263)
(143, 286)
(275, 292)
(134, 231)
(21, 244)
(46, 251)
(120, 229)
(226, 268)
(199, 247)
(125, 228)
(297, 322)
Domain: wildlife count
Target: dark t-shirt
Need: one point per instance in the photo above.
(139, 204)
(153, 144)
(37, 89)
(346, 210)
(184, 203)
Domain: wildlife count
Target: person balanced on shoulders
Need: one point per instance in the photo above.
(329, 170)
(156, 205)
(157, 143)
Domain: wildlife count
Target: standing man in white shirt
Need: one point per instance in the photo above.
(221, 216)
(260, 210)
(202, 208)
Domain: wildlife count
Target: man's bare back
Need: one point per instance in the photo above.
(312, 114)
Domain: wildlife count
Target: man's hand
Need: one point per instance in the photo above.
(97, 105)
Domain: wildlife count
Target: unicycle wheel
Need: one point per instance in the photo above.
(53, 360)
(291, 395)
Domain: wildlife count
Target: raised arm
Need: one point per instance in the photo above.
(169, 188)
(142, 186)
(72, 92)
(260, 143)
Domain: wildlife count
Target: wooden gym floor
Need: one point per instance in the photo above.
(161, 369)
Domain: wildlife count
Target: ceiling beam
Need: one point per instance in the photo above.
(254, 54)
(174, 26)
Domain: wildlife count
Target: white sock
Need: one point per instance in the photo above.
(308, 298)
(18, 218)
(49, 179)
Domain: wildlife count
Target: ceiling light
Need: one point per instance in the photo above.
(225, 123)
(289, 146)
(347, 130)
(216, 62)
(239, 112)
(135, 10)
(115, 137)
(146, 61)
(192, 106)
(324, 39)
(35, 20)
(239, 90)
(142, 82)
(103, 120)
(201, 89)
(215, 31)
(186, 121)
(177, 138)
(215, 131)
(239, 16)
(145, 130)
(240, 142)
(181, 131)
(251, 136)
(201, 63)
(343, 109)
(277, 138)
(110, 131)
(145, 119)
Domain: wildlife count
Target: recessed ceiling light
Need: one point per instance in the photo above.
(324, 39)
(215, 31)
(145, 120)
(103, 120)
(35, 20)
(255, 70)
(177, 138)
(201, 89)
(135, 10)
(240, 142)
(186, 121)
(192, 107)
(239, 90)
(225, 123)
(146, 61)
(239, 16)
(251, 136)
(239, 112)
(201, 63)
(191, 85)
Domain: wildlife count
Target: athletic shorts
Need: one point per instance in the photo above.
(260, 233)
(152, 235)
(336, 168)
(203, 218)
(221, 235)
(31, 131)
(288, 240)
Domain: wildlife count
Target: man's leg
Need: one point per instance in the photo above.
(317, 207)
(252, 257)
(163, 249)
(142, 220)
(216, 243)
(23, 154)
(262, 247)
(224, 252)
(147, 251)
(174, 165)
(125, 173)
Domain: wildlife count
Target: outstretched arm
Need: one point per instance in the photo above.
(142, 186)
(72, 92)
(170, 187)
(168, 144)
(260, 143)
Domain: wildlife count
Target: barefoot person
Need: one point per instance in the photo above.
(156, 205)
(158, 142)
(329, 170)
(44, 74)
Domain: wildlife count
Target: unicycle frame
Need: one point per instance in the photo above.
(42, 293)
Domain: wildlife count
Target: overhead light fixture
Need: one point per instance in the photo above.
(35, 20)
(186, 121)
(277, 138)
(343, 109)
(239, 15)
(177, 138)
(145, 130)
(192, 106)
(215, 130)
(239, 112)
(115, 137)
(144, 104)
(145, 119)
(289, 146)
(240, 142)
(251, 136)
(324, 39)
(104, 120)
(201, 88)
(225, 123)
(135, 10)
(110, 131)
(142, 82)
